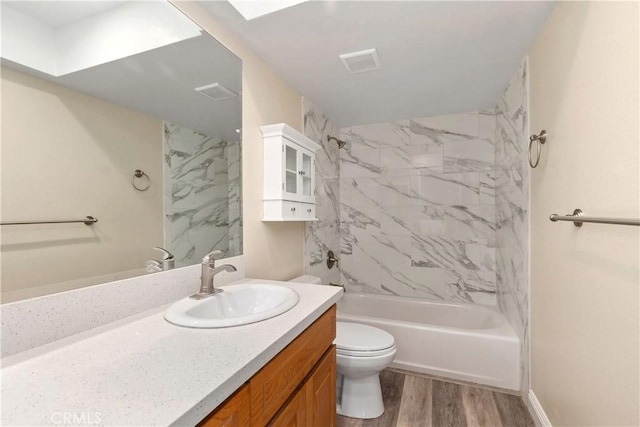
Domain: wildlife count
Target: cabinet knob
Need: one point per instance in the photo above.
(309, 210)
(293, 209)
(301, 173)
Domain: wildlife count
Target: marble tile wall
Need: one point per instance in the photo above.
(417, 208)
(512, 208)
(234, 176)
(323, 235)
(198, 189)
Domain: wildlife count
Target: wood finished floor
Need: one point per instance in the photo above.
(419, 401)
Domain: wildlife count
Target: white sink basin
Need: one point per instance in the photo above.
(236, 305)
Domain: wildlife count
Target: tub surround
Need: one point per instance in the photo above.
(166, 374)
(512, 209)
(417, 208)
(323, 235)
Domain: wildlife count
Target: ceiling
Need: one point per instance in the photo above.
(61, 13)
(437, 57)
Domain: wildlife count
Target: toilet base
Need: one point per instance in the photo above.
(361, 397)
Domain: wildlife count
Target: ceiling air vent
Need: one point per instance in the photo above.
(216, 91)
(359, 62)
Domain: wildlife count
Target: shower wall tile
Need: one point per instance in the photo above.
(469, 156)
(379, 135)
(359, 163)
(439, 130)
(392, 190)
(446, 189)
(197, 174)
(324, 235)
(234, 173)
(413, 156)
(417, 208)
(487, 124)
(512, 208)
(487, 188)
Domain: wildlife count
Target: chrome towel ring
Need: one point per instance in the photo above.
(540, 139)
(140, 174)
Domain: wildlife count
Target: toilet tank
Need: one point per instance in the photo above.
(313, 280)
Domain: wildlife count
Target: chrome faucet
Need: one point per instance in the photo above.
(209, 270)
(168, 260)
(167, 263)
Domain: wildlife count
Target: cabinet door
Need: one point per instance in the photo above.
(307, 174)
(320, 391)
(293, 414)
(290, 177)
(235, 412)
(299, 174)
(273, 385)
(314, 404)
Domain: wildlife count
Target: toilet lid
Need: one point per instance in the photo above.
(358, 337)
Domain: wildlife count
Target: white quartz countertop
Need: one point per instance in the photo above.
(145, 371)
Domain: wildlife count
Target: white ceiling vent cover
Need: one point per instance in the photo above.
(216, 91)
(359, 62)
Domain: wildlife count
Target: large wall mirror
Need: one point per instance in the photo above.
(125, 111)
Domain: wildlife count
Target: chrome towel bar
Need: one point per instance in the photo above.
(88, 220)
(578, 219)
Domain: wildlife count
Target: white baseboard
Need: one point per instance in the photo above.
(540, 417)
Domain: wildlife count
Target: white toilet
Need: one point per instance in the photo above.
(363, 351)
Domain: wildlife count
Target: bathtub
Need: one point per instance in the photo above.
(461, 341)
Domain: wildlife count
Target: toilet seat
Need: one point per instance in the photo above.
(372, 353)
(358, 340)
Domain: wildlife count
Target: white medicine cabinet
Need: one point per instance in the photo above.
(289, 174)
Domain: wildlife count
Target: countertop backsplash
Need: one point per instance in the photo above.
(34, 322)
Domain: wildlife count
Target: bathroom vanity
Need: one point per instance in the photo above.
(296, 388)
(142, 370)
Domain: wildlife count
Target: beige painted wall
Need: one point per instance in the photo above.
(67, 155)
(272, 250)
(584, 282)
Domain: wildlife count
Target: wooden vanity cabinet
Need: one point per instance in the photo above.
(296, 388)
(234, 412)
(320, 392)
(313, 404)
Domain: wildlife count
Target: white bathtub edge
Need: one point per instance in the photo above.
(539, 416)
(489, 355)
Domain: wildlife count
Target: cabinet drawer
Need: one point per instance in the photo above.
(291, 210)
(307, 210)
(287, 210)
(272, 386)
